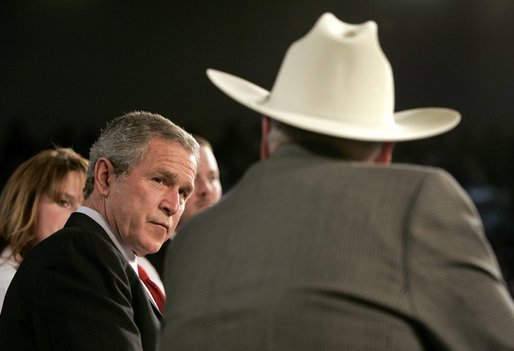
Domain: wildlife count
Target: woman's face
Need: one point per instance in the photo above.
(52, 213)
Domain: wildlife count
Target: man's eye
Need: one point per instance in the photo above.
(159, 180)
(184, 194)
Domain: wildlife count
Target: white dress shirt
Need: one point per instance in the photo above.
(8, 267)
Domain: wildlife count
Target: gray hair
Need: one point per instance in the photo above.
(354, 150)
(125, 139)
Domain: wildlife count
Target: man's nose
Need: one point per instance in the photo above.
(171, 202)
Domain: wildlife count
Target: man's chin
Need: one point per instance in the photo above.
(147, 250)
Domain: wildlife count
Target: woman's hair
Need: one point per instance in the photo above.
(44, 173)
(125, 139)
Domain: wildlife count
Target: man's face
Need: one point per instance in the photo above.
(207, 186)
(145, 204)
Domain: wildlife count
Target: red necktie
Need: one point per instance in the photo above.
(154, 289)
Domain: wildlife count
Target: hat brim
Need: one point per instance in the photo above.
(409, 124)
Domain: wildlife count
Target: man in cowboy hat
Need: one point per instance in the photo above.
(323, 245)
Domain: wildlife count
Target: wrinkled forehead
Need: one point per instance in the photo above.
(188, 145)
(162, 152)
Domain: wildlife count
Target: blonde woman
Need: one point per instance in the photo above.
(36, 201)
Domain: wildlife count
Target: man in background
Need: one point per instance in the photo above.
(326, 245)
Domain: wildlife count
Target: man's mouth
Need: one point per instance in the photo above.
(162, 225)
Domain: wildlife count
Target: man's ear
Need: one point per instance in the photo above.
(104, 171)
(385, 156)
(265, 129)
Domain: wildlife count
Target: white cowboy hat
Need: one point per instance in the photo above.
(337, 81)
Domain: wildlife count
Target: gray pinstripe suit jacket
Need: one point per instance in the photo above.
(311, 253)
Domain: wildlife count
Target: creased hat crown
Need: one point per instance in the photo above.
(352, 80)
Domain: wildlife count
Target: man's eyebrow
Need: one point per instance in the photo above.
(168, 174)
(174, 176)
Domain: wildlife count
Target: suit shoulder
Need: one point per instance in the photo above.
(417, 169)
(396, 172)
(73, 241)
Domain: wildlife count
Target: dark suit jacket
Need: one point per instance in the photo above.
(311, 253)
(76, 291)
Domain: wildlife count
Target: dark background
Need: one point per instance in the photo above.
(68, 66)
